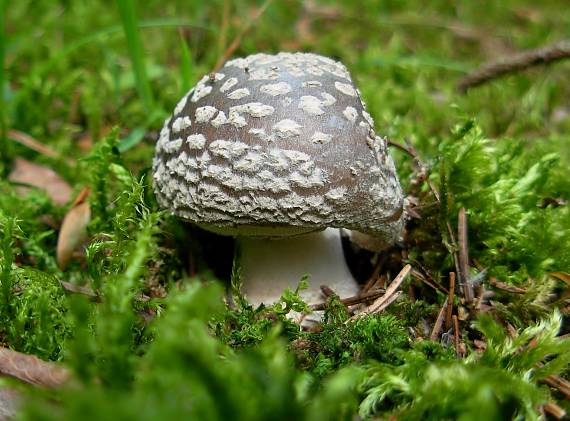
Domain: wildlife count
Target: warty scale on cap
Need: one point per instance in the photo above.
(276, 141)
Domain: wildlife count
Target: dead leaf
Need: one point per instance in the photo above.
(41, 177)
(79, 289)
(73, 230)
(31, 369)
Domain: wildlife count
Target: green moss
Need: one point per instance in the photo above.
(158, 341)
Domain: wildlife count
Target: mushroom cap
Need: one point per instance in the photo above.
(277, 145)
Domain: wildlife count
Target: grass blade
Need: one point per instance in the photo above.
(4, 147)
(186, 66)
(136, 53)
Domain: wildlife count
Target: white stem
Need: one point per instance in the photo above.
(270, 266)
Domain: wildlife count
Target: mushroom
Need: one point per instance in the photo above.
(279, 152)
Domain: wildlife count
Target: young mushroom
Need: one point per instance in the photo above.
(279, 152)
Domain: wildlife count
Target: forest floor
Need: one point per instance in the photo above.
(111, 308)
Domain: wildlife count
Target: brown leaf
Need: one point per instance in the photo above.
(44, 178)
(73, 229)
(31, 369)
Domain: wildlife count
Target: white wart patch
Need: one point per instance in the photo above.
(345, 88)
(204, 114)
(239, 93)
(321, 138)
(351, 114)
(228, 84)
(275, 89)
(180, 124)
(196, 141)
(287, 128)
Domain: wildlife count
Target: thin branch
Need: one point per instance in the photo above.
(554, 410)
(37, 146)
(456, 336)
(450, 300)
(521, 61)
(436, 331)
(375, 279)
(427, 279)
(558, 383)
(381, 303)
(465, 280)
(500, 284)
(403, 148)
(31, 369)
(352, 301)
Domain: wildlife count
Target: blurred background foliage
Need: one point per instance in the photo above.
(157, 340)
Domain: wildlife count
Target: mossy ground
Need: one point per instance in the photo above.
(159, 342)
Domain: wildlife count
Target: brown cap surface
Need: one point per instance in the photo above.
(274, 142)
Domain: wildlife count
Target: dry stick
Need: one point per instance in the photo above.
(450, 300)
(500, 284)
(31, 369)
(456, 335)
(506, 287)
(465, 282)
(375, 277)
(351, 301)
(35, 145)
(558, 383)
(372, 281)
(403, 148)
(429, 282)
(237, 40)
(436, 331)
(411, 151)
(382, 302)
(520, 61)
(387, 302)
(556, 411)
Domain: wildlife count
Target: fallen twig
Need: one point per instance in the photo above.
(375, 279)
(500, 284)
(554, 410)
(558, 383)
(35, 145)
(465, 281)
(436, 331)
(518, 62)
(422, 168)
(428, 280)
(506, 287)
(450, 300)
(382, 302)
(31, 369)
(352, 301)
(458, 352)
